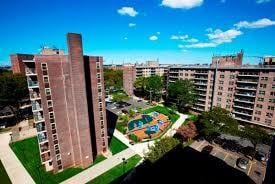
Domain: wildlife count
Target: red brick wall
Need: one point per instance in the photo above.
(17, 62)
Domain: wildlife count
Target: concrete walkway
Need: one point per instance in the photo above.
(100, 168)
(16, 171)
(171, 132)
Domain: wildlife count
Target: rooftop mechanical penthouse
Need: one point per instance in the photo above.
(67, 96)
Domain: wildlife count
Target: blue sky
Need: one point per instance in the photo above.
(174, 31)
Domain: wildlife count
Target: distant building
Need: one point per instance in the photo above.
(129, 77)
(247, 91)
(67, 95)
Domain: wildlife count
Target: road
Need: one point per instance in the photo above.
(100, 168)
(15, 170)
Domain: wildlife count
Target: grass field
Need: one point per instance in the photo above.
(4, 178)
(164, 110)
(117, 172)
(116, 146)
(28, 153)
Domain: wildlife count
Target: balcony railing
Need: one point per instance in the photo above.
(30, 71)
(243, 107)
(38, 117)
(245, 113)
(248, 74)
(36, 106)
(40, 127)
(32, 84)
(34, 95)
(248, 81)
(246, 88)
(246, 94)
(201, 83)
(244, 100)
(200, 78)
(42, 137)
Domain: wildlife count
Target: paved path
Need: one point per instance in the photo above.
(176, 125)
(100, 168)
(16, 171)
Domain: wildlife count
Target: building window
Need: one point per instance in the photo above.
(220, 93)
(98, 76)
(268, 121)
(273, 86)
(97, 65)
(272, 100)
(271, 108)
(221, 76)
(264, 78)
(230, 89)
(54, 137)
(228, 106)
(259, 106)
(231, 83)
(272, 93)
(263, 85)
(46, 79)
(232, 76)
(48, 91)
(219, 99)
(262, 92)
(260, 99)
(50, 103)
(258, 112)
(53, 126)
(220, 88)
(229, 95)
(51, 115)
(220, 82)
(44, 66)
(269, 114)
(256, 119)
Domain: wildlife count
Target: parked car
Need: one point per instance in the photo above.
(260, 156)
(242, 163)
(207, 149)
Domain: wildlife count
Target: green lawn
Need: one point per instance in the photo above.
(28, 153)
(116, 146)
(115, 173)
(3, 175)
(164, 110)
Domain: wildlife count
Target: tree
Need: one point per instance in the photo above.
(13, 89)
(187, 132)
(113, 79)
(134, 138)
(140, 84)
(183, 92)
(120, 97)
(256, 135)
(154, 86)
(217, 120)
(160, 148)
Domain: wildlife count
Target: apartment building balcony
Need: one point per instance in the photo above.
(201, 94)
(36, 106)
(44, 147)
(248, 74)
(45, 157)
(34, 95)
(30, 71)
(174, 71)
(246, 94)
(200, 83)
(242, 112)
(200, 104)
(40, 127)
(28, 61)
(250, 88)
(38, 117)
(238, 106)
(42, 137)
(32, 84)
(247, 81)
(201, 89)
(201, 78)
(173, 76)
(198, 109)
(249, 101)
(201, 72)
(243, 119)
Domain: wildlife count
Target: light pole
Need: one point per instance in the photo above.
(123, 165)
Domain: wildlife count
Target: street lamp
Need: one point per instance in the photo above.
(123, 165)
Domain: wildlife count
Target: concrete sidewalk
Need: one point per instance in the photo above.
(100, 168)
(16, 171)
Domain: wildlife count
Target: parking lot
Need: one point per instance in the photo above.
(132, 104)
(255, 169)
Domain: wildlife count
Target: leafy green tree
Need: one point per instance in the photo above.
(13, 89)
(134, 138)
(256, 136)
(113, 79)
(154, 86)
(217, 120)
(140, 84)
(120, 97)
(160, 148)
(183, 92)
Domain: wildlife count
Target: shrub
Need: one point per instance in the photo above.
(134, 138)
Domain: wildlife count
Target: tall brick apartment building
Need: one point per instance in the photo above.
(68, 103)
(247, 91)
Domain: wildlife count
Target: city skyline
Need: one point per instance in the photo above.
(173, 31)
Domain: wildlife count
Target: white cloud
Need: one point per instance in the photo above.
(201, 45)
(182, 4)
(132, 25)
(223, 1)
(125, 38)
(192, 40)
(179, 37)
(158, 33)
(216, 38)
(262, 1)
(219, 37)
(127, 11)
(181, 46)
(153, 38)
(261, 23)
